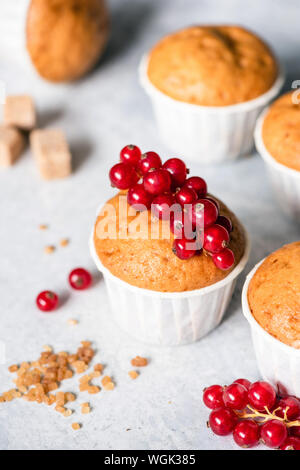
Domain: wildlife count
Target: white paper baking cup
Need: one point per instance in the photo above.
(168, 318)
(206, 134)
(285, 181)
(278, 363)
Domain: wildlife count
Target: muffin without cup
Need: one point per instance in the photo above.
(208, 85)
(271, 304)
(277, 138)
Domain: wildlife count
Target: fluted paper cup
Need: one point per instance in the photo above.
(278, 363)
(285, 181)
(168, 318)
(206, 134)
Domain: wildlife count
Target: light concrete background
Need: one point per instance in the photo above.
(100, 114)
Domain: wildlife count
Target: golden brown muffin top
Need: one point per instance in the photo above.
(150, 263)
(281, 131)
(212, 65)
(274, 294)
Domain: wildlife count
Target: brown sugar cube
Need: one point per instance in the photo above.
(51, 152)
(13, 368)
(12, 143)
(76, 426)
(139, 361)
(109, 386)
(98, 368)
(19, 111)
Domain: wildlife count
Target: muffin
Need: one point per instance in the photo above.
(271, 304)
(208, 84)
(212, 65)
(170, 252)
(281, 131)
(274, 294)
(277, 138)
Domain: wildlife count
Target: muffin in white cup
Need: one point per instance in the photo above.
(277, 139)
(271, 304)
(162, 293)
(207, 85)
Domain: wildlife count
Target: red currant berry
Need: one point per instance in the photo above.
(47, 301)
(123, 175)
(246, 383)
(222, 421)
(224, 260)
(225, 222)
(184, 248)
(149, 161)
(211, 199)
(197, 184)
(202, 213)
(213, 397)
(273, 433)
(295, 431)
(130, 154)
(216, 238)
(246, 433)
(161, 205)
(235, 396)
(292, 407)
(80, 279)
(178, 171)
(262, 395)
(292, 443)
(138, 197)
(186, 196)
(157, 182)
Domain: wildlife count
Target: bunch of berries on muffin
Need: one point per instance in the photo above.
(170, 195)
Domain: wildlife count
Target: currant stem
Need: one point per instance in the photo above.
(267, 416)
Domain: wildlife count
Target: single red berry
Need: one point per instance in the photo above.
(130, 154)
(213, 397)
(184, 248)
(80, 279)
(291, 443)
(262, 395)
(157, 182)
(224, 260)
(138, 197)
(123, 175)
(273, 433)
(202, 213)
(186, 196)
(295, 431)
(216, 238)
(177, 170)
(47, 301)
(235, 396)
(149, 161)
(211, 199)
(225, 222)
(222, 421)
(292, 407)
(197, 184)
(246, 383)
(162, 204)
(246, 433)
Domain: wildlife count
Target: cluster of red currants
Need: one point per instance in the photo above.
(79, 279)
(166, 190)
(254, 413)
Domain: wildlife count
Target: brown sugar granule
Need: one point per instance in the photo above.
(47, 348)
(98, 368)
(72, 321)
(133, 374)
(92, 389)
(68, 413)
(109, 386)
(64, 242)
(13, 368)
(49, 249)
(85, 408)
(43, 227)
(69, 397)
(76, 426)
(139, 361)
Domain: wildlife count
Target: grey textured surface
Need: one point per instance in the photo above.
(100, 114)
